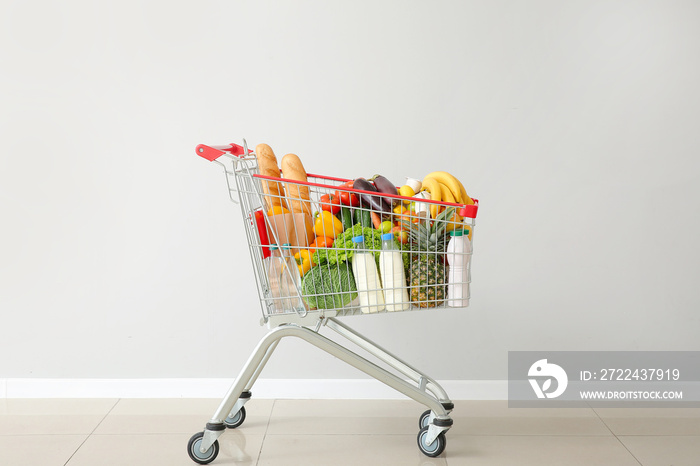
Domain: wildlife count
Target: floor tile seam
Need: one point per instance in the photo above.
(61, 434)
(91, 433)
(455, 419)
(278, 434)
(628, 450)
(448, 435)
(638, 435)
(534, 435)
(316, 434)
(118, 434)
(267, 426)
(617, 438)
(657, 435)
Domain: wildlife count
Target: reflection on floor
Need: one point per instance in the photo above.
(153, 432)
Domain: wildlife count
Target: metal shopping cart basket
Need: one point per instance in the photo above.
(328, 254)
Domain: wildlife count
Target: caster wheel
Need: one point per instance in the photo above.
(434, 449)
(236, 420)
(424, 419)
(196, 455)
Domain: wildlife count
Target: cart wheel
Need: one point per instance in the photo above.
(236, 420)
(423, 420)
(196, 455)
(434, 449)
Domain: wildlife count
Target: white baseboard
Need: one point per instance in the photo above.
(216, 388)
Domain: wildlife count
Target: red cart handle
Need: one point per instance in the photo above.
(212, 153)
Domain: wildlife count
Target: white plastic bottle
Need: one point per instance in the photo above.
(458, 255)
(392, 275)
(290, 280)
(369, 286)
(274, 266)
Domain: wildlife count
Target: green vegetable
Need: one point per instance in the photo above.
(329, 286)
(343, 247)
(364, 218)
(346, 217)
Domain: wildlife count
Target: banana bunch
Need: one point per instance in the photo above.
(444, 187)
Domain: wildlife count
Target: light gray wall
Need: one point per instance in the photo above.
(575, 123)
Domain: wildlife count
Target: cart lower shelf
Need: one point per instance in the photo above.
(203, 447)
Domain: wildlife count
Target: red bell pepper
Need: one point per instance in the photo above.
(262, 232)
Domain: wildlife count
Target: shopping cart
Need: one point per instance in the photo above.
(321, 256)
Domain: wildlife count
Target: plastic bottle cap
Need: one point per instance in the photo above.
(273, 247)
(358, 239)
(286, 244)
(457, 232)
(387, 236)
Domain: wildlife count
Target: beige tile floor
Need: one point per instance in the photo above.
(135, 432)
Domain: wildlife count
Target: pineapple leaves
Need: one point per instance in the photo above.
(431, 236)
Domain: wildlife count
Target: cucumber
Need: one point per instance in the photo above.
(364, 218)
(346, 217)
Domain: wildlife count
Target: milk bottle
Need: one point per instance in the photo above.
(369, 286)
(458, 255)
(393, 275)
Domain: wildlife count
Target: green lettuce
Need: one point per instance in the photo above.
(343, 247)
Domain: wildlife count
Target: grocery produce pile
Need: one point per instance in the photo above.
(325, 219)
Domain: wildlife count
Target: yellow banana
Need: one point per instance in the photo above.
(433, 187)
(467, 200)
(447, 194)
(456, 186)
(448, 197)
(450, 181)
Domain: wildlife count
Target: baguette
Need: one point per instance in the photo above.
(267, 163)
(297, 194)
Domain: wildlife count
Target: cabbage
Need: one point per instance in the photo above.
(329, 286)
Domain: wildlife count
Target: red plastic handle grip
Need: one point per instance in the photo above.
(470, 210)
(212, 153)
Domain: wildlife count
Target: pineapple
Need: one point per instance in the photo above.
(428, 277)
(427, 271)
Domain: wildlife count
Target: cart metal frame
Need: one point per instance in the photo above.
(240, 167)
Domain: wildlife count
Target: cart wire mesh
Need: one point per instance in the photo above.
(305, 248)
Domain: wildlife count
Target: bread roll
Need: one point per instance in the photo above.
(297, 194)
(267, 163)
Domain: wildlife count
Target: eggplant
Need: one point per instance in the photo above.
(385, 186)
(373, 202)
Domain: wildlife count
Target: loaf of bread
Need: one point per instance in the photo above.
(267, 163)
(297, 194)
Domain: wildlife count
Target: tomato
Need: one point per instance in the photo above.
(330, 203)
(346, 198)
